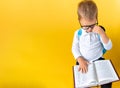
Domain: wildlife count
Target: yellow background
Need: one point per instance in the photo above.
(36, 38)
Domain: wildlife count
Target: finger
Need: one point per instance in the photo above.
(83, 70)
(86, 69)
(79, 68)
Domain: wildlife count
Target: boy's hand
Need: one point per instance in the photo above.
(83, 64)
(98, 29)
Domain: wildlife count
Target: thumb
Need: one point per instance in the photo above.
(79, 68)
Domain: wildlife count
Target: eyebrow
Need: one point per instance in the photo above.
(89, 25)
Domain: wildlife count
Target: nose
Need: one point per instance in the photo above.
(89, 30)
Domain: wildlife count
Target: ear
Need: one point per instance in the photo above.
(79, 19)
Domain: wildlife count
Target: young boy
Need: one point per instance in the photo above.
(89, 45)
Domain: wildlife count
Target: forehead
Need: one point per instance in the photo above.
(84, 21)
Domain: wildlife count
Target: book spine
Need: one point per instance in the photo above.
(73, 76)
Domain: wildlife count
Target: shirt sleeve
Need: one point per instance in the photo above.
(75, 46)
(107, 46)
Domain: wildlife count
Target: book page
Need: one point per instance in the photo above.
(105, 72)
(85, 79)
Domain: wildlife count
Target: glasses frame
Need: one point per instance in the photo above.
(86, 27)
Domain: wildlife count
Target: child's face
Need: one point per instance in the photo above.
(88, 25)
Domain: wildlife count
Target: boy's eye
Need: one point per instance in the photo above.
(89, 26)
(86, 28)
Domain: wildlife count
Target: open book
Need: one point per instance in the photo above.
(99, 72)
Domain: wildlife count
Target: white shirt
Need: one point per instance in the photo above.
(89, 45)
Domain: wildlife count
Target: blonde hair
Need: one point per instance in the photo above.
(87, 9)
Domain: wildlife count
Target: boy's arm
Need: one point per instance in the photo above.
(75, 46)
(106, 41)
(77, 55)
(103, 37)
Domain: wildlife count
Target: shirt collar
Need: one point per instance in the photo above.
(83, 31)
